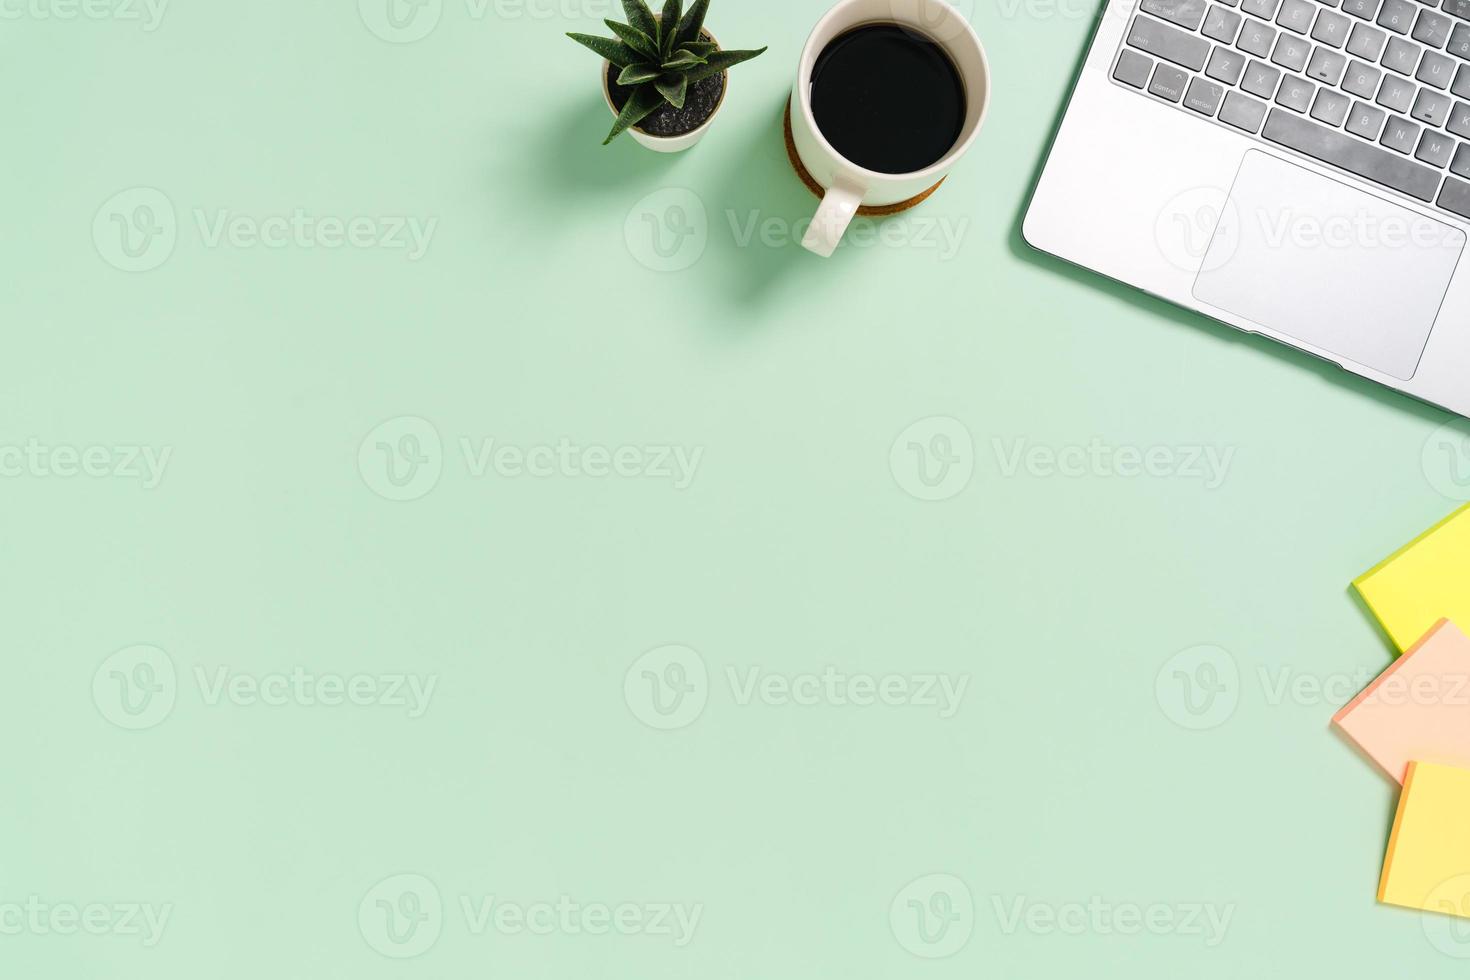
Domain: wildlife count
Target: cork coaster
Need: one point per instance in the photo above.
(868, 211)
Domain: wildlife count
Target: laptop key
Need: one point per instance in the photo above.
(1256, 38)
(1436, 69)
(1461, 164)
(1203, 97)
(1133, 68)
(1326, 65)
(1168, 83)
(1461, 87)
(1431, 108)
(1460, 8)
(1366, 121)
(1331, 29)
(1260, 80)
(1185, 13)
(1295, 93)
(1396, 94)
(1264, 9)
(1460, 41)
(1169, 43)
(1432, 29)
(1291, 52)
(1459, 122)
(1402, 56)
(1225, 65)
(1296, 15)
(1222, 23)
(1401, 135)
(1397, 16)
(1363, 9)
(1242, 112)
(1435, 149)
(1456, 197)
(1366, 42)
(1331, 107)
(1362, 159)
(1362, 80)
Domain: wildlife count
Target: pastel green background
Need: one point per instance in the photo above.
(1068, 605)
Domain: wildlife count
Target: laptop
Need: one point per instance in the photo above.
(1298, 169)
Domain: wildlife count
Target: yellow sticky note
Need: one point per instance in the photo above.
(1428, 862)
(1424, 582)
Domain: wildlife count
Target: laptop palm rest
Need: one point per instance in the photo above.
(1338, 269)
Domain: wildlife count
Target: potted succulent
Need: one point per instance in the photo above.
(664, 77)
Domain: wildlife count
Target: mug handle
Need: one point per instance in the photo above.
(836, 212)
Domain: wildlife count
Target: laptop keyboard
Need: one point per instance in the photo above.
(1377, 88)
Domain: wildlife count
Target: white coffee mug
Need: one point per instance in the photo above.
(848, 185)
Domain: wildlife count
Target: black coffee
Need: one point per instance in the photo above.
(888, 98)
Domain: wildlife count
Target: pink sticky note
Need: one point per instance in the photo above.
(1419, 708)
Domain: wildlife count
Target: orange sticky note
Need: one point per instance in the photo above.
(1417, 709)
(1428, 861)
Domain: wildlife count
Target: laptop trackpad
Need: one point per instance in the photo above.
(1341, 270)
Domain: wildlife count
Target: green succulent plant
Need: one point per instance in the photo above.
(661, 58)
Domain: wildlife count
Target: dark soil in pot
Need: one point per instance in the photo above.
(699, 104)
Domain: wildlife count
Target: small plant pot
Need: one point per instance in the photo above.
(672, 143)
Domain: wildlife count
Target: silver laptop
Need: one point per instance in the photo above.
(1295, 168)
